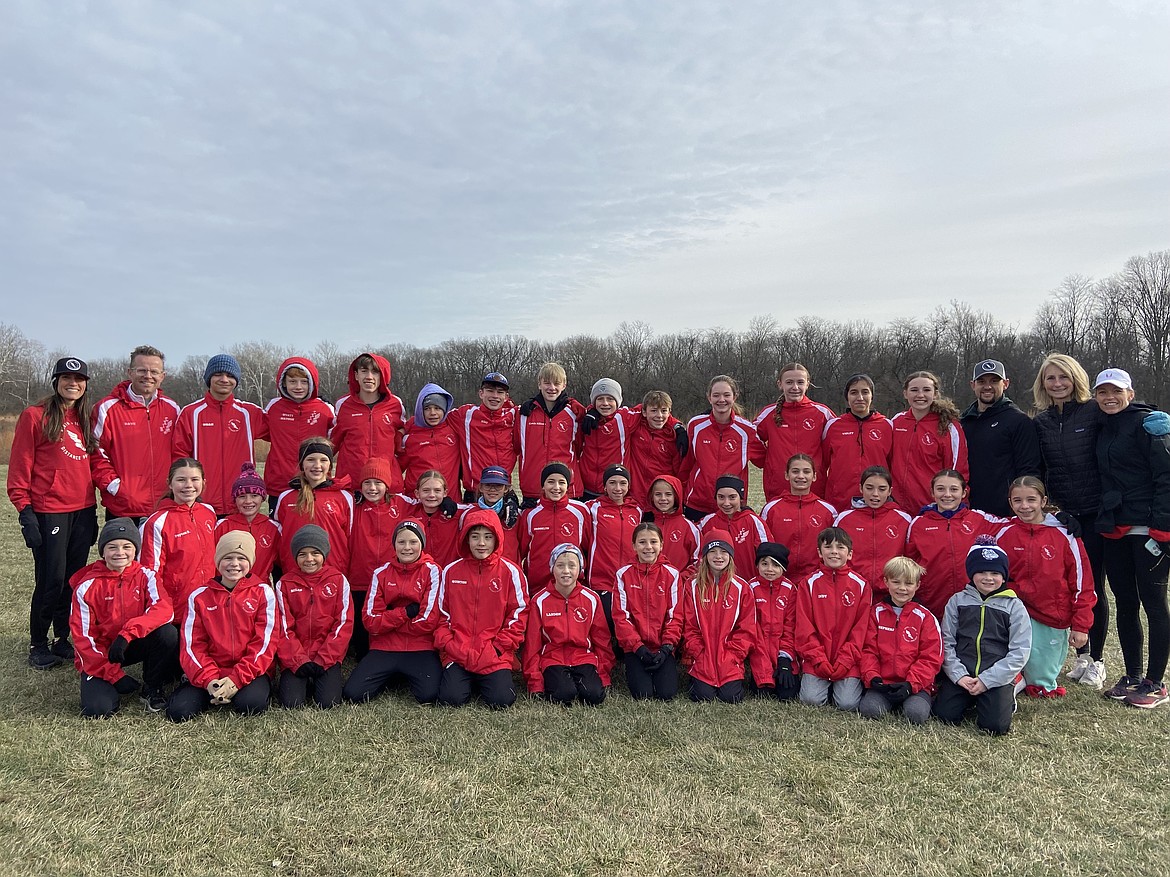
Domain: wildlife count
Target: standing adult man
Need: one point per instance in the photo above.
(1002, 443)
(219, 431)
(133, 428)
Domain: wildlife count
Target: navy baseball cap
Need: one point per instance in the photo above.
(494, 475)
(495, 378)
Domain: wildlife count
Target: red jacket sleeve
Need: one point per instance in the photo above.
(91, 655)
(849, 657)
(739, 640)
(623, 626)
(672, 625)
(928, 664)
(808, 644)
(21, 456)
(257, 657)
(333, 649)
(956, 451)
(157, 613)
(193, 652)
(290, 649)
(599, 638)
(516, 618)
(377, 615)
(183, 439)
(757, 453)
(530, 659)
(870, 663)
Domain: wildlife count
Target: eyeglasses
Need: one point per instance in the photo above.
(148, 372)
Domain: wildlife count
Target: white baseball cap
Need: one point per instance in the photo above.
(1117, 377)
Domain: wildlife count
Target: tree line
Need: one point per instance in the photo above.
(1122, 320)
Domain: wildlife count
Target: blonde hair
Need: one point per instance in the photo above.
(1072, 368)
(429, 475)
(552, 371)
(942, 406)
(904, 569)
(708, 581)
(306, 498)
(657, 399)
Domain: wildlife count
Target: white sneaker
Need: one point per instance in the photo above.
(1080, 665)
(1094, 675)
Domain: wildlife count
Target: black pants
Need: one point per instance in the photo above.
(293, 691)
(188, 701)
(778, 693)
(692, 514)
(359, 640)
(564, 685)
(993, 709)
(1138, 581)
(661, 684)
(158, 652)
(728, 692)
(378, 669)
(64, 549)
(497, 689)
(607, 607)
(1094, 544)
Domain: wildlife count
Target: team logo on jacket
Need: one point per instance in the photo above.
(816, 520)
(567, 528)
(741, 536)
(265, 541)
(909, 634)
(782, 601)
(967, 527)
(166, 426)
(386, 418)
(313, 418)
(927, 439)
(330, 507)
(579, 614)
(562, 426)
(393, 512)
(233, 426)
(450, 439)
(875, 435)
(848, 598)
(676, 536)
(661, 590)
(328, 590)
(809, 424)
(728, 602)
(892, 532)
(1048, 552)
(730, 445)
(251, 605)
(494, 586)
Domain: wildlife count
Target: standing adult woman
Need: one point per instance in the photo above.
(1067, 422)
(1134, 468)
(50, 484)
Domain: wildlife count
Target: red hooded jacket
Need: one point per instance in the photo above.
(511, 534)
(544, 437)
(775, 628)
(878, 535)
(645, 606)
(134, 450)
(395, 586)
(850, 446)
(565, 632)
(832, 622)
(486, 438)
(611, 545)
(316, 618)
(796, 521)
(221, 436)
(543, 528)
(918, 454)
(178, 543)
(264, 530)
(430, 447)
(363, 431)
(230, 633)
(52, 477)
(108, 604)
(801, 425)
(940, 544)
(291, 422)
(680, 535)
(718, 449)
(1050, 572)
(718, 630)
(902, 648)
(482, 610)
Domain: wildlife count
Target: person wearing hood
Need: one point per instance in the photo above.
(429, 440)
(132, 427)
(369, 421)
(317, 495)
(295, 414)
(220, 431)
(1002, 443)
(1135, 520)
(479, 617)
(680, 535)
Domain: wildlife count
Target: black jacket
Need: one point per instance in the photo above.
(1068, 445)
(1001, 446)
(1135, 472)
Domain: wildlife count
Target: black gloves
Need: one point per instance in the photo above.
(449, 507)
(411, 610)
(117, 651)
(127, 685)
(1071, 525)
(680, 440)
(526, 407)
(877, 684)
(590, 421)
(310, 670)
(896, 692)
(510, 510)
(785, 678)
(646, 656)
(647, 517)
(30, 527)
(530, 502)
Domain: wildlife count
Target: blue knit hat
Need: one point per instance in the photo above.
(986, 556)
(222, 362)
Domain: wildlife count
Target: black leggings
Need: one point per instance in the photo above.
(379, 668)
(64, 549)
(1138, 581)
(1094, 544)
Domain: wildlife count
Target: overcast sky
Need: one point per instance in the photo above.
(373, 172)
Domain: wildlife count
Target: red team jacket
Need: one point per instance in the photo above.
(229, 633)
(645, 606)
(878, 535)
(717, 449)
(849, 446)
(611, 545)
(264, 530)
(543, 528)
(395, 586)
(747, 532)
(363, 431)
(652, 454)
(607, 444)
(178, 543)
(134, 450)
(442, 533)
(718, 630)
(332, 511)
(565, 632)
(796, 521)
(290, 423)
(107, 605)
(1050, 572)
(51, 477)
(918, 454)
(482, 609)
(220, 435)
(486, 438)
(798, 432)
(832, 621)
(680, 535)
(430, 447)
(371, 538)
(544, 437)
(316, 618)
(775, 628)
(903, 648)
(940, 545)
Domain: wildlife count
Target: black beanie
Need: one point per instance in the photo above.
(556, 469)
(730, 481)
(775, 550)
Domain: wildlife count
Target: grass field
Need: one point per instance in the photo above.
(1078, 787)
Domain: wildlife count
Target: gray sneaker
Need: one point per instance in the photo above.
(1094, 676)
(1080, 665)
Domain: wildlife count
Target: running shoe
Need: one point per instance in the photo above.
(1124, 688)
(1094, 675)
(1148, 695)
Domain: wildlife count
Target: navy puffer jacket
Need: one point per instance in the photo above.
(1068, 444)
